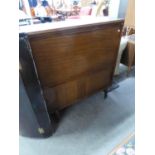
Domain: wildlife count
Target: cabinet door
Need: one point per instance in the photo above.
(76, 62)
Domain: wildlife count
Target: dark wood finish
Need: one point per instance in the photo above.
(34, 120)
(75, 62)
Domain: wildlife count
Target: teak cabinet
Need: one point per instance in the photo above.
(74, 62)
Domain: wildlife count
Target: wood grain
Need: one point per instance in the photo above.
(76, 62)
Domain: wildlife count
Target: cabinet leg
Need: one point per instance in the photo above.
(105, 94)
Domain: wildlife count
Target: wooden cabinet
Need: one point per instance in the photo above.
(74, 62)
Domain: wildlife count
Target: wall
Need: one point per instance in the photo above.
(130, 14)
(122, 8)
(114, 8)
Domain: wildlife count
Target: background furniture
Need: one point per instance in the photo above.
(123, 44)
(128, 57)
(74, 60)
(127, 44)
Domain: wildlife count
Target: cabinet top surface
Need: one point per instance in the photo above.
(71, 23)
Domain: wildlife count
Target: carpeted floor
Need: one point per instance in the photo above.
(124, 74)
(92, 127)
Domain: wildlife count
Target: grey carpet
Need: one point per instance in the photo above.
(91, 127)
(124, 73)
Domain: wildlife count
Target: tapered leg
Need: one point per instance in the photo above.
(105, 94)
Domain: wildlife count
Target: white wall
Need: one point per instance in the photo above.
(122, 8)
(114, 8)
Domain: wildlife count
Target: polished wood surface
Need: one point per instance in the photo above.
(75, 62)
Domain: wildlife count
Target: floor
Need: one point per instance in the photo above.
(127, 147)
(92, 127)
